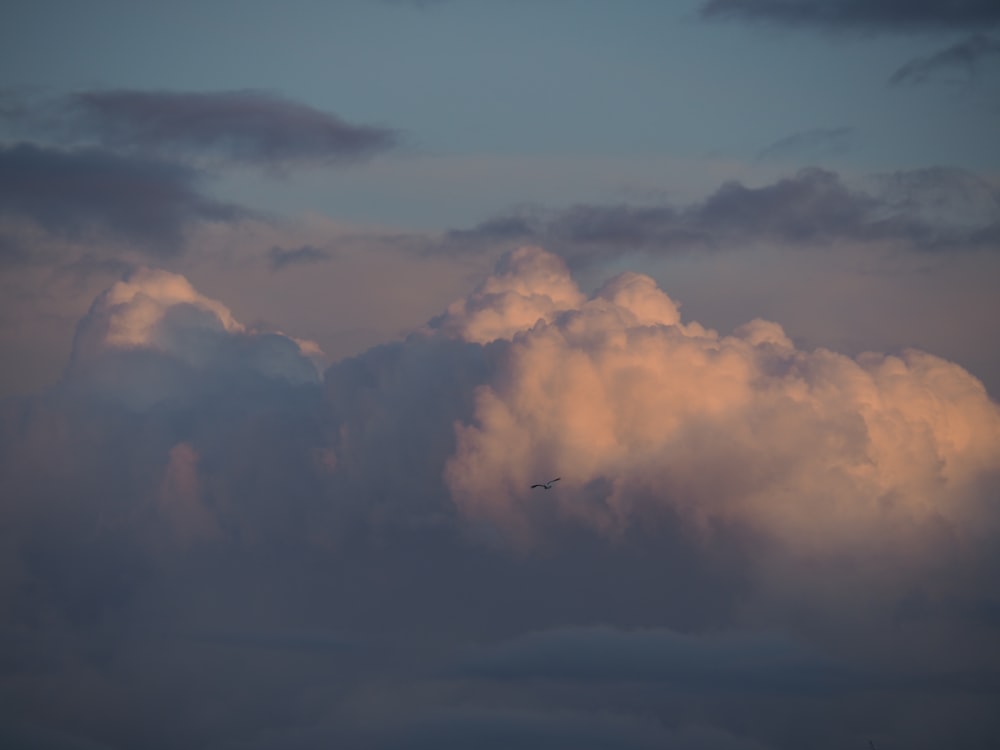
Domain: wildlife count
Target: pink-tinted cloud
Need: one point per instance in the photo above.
(152, 335)
(740, 521)
(815, 448)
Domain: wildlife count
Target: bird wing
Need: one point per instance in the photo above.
(537, 485)
(555, 480)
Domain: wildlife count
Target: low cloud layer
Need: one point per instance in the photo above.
(750, 539)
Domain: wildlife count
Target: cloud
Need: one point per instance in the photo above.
(191, 510)
(91, 193)
(251, 127)
(632, 407)
(279, 258)
(152, 336)
(819, 141)
(812, 208)
(877, 15)
(527, 286)
(717, 662)
(129, 166)
(965, 55)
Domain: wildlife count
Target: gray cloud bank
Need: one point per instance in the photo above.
(131, 166)
(936, 209)
(865, 15)
(250, 127)
(88, 193)
(753, 545)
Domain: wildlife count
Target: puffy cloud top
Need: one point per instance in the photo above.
(745, 519)
(155, 322)
(528, 285)
(132, 311)
(641, 413)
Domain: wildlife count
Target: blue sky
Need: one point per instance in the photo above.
(299, 300)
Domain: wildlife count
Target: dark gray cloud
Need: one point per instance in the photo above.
(279, 258)
(93, 193)
(241, 126)
(534, 730)
(862, 15)
(930, 210)
(703, 662)
(810, 143)
(965, 56)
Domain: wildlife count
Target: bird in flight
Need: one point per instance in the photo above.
(547, 485)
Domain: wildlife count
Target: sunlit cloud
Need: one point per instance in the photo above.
(793, 520)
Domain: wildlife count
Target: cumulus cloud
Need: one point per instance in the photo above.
(965, 55)
(151, 334)
(636, 409)
(740, 521)
(863, 15)
(92, 192)
(527, 286)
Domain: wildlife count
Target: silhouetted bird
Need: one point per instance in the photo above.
(547, 485)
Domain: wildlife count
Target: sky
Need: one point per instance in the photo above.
(297, 302)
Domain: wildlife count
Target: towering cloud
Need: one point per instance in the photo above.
(153, 336)
(739, 521)
(639, 411)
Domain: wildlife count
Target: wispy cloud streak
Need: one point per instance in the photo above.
(241, 126)
(861, 15)
(280, 258)
(965, 55)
